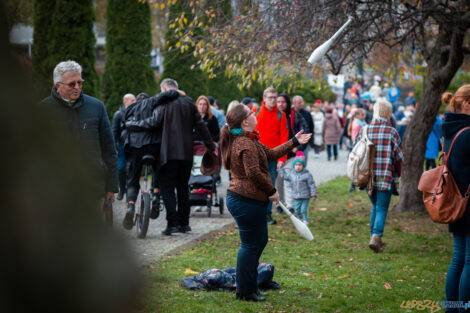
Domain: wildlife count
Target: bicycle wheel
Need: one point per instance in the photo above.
(143, 215)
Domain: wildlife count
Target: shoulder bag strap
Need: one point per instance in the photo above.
(447, 155)
(257, 110)
(364, 133)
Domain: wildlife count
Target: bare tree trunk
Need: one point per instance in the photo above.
(414, 147)
(445, 60)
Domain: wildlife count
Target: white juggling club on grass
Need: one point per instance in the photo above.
(320, 51)
(301, 227)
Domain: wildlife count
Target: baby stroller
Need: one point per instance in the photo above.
(202, 188)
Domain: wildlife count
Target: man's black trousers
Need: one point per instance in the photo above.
(175, 175)
(134, 157)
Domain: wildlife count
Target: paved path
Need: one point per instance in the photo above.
(155, 245)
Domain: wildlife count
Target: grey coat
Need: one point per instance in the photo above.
(331, 129)
(303, 185)
(88, 123)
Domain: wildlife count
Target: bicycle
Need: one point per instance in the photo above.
(142, 216)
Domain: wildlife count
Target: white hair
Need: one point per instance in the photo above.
(382, 108)
(64, 67)
(170, 83)
(232, 104)
(297, 97)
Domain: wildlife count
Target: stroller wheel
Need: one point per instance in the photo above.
(221, 206)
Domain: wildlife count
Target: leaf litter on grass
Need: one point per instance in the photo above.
(369, 289)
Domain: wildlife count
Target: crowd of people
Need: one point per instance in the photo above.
(265, 147)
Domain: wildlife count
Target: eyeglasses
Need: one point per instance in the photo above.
(249, 114)
(72, 84)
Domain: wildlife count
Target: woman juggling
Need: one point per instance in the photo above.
(250, 191)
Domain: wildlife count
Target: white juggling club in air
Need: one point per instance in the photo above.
(301, 227)
(320, 51)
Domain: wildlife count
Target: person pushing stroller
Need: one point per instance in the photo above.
(303, 185)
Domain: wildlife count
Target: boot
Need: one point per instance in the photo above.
(128, 221)
(271, 221)
(382, 243)
(169, 230)
(122, 184)
(120, 195)
(155, 211)
(375, 243)
(184, 229)
(250, 297)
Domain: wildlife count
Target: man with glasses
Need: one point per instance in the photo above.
(272, 127)
(86, 120)
(298, 104)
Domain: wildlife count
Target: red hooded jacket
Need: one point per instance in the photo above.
(272, 127)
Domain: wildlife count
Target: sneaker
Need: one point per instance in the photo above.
(155, 212)
(170, 230)
(271, 221)
(305, 222)
(279, 210)
(291, 210)
(184, 229)
(316, 155)
(375, 243)
(128, 221)
(352, 188)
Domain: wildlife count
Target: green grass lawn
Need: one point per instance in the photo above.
(336, 272)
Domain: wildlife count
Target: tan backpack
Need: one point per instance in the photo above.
(441, 196)
(360, 160)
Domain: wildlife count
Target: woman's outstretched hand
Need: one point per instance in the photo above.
(303, 138)
(274, 198)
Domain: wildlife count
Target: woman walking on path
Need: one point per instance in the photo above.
(386, 169)
(250, 191)
(331, 133)
(458, 275)
(203, 106)
(318, 119)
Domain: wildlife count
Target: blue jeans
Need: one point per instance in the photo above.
(272, 167)
(301, 207)
(306, 150)
(380, 201)
(458, 274)
(253, 230)
(122, 170)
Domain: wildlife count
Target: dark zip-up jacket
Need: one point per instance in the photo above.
(88, 123)
(140, 110)
(458, 162)
(117, 127)
(175, 121)
(309, 120)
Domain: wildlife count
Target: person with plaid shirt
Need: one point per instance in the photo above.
(386, 168)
